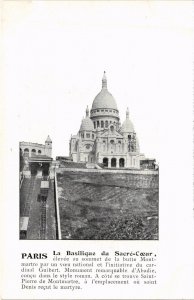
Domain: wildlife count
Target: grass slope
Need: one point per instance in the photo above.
(96, 206)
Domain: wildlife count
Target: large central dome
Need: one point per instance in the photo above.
(104, 99)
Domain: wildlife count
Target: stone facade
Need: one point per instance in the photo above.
(102, 139)
(32, 149)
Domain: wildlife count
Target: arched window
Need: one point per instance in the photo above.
(26, 152)
(39, 151)
(119, 146)
(121, 163)
(33, 152)
(112, 128)
(113, 162)
(98, 124)
(102, 124)
(112, 145)
(106, 124)
(105, 162)
(94, 125)
(104, 145)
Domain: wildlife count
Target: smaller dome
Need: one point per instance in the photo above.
(127, 124)
(87, 125)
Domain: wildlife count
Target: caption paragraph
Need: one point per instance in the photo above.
(75, 270)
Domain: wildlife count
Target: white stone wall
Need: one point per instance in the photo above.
(108, 143)
(34, 148)
(48, 149)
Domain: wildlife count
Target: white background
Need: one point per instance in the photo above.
(54, 55)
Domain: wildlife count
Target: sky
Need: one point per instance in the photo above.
(55, 54)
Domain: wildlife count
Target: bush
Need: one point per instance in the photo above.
(133, 228)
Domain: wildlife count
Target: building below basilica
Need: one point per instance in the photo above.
(101, 138)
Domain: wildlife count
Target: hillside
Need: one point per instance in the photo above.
(108, 206)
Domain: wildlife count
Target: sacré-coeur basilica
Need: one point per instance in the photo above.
(102, 139)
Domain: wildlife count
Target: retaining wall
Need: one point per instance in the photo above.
(123, 178)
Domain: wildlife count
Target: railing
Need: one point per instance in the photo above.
(43, 220)
(115, 171)
(21, 178)
(58, 221)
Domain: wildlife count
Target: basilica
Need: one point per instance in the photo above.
(102, 139)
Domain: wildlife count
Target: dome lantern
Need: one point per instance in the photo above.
(104, 81)
(127, 113)
(87, 111)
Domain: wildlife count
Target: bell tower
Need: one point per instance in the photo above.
(48, 146)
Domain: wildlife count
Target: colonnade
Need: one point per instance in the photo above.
(103, 124)
(114, 162)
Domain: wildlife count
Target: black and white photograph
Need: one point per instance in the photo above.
(104, 188)
(97, 149)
